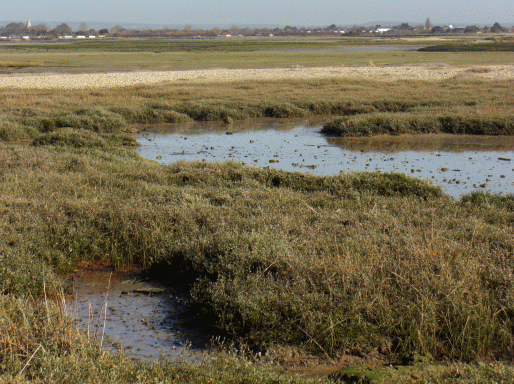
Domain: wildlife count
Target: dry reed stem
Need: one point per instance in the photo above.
(30, 359)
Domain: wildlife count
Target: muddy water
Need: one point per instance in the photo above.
(142, 318)
(459, 164)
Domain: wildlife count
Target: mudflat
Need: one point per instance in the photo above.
(133, 78)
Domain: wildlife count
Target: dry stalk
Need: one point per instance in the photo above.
(308, 206)
(315, 342)
(30, 359)
(105, 310)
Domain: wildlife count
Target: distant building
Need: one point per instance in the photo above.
(382, 30)
(28, 24)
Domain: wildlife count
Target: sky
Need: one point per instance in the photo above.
(306, 13)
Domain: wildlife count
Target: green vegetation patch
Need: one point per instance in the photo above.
(493, 46)
(81, 138)
(395, 124)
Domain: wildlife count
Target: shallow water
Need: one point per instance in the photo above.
(459, 164)
(356, 48)
(141, 324)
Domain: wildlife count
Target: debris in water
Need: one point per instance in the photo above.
(149, 291)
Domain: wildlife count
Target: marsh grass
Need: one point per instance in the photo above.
(397, 124)
(368, 260)
(348, 263)
(455, 106)
(463, 46)
(176, 54)
(24, 64)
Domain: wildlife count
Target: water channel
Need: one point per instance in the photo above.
(458, 163)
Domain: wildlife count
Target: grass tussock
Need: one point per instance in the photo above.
(26, 64)
(463, 46)
(80, 138)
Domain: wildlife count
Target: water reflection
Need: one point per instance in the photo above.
(143, 318)
(460, 164)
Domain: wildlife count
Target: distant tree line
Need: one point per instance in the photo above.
(18, 29)
(333, 29)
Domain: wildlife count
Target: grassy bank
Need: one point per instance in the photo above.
(505, 44)
(397, 124)
(351, 263)
(456, 105)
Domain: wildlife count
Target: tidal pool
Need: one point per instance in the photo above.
(126, 312)
(458, 163)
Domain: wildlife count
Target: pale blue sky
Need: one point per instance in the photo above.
(269, 12)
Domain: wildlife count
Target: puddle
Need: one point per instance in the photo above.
(143, 318)
(459, 164)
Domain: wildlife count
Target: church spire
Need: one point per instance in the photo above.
(28, 24)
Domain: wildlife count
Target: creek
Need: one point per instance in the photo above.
(460, 164)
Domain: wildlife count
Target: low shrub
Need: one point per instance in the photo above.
(77, 138)
(12, 131)
(480, 198)
(208, 112)
(283, 110)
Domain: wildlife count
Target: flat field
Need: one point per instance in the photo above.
(287, 268)
(165, 54)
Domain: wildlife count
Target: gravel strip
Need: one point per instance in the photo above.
(126, 79)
